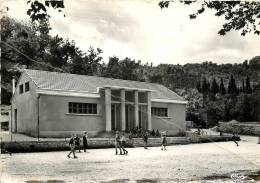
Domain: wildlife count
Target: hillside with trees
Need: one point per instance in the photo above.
(216, 92)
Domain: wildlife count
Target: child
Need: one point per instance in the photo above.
(123, 144)
(145, 138)
(117, 143)
(85, 141)
(77, 142)
(164, 141)
(72, 147)
(235, 138)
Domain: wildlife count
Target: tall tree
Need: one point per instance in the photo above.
(248, 86)
(232, 88)
(205, 86)
(214, 86)
(222, 89)
(198, 86)
(243, 86)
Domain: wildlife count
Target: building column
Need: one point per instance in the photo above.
(108, 108)
(122, 97)
(136, 108)
(149, 106)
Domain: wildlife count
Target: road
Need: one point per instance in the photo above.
(180, 163)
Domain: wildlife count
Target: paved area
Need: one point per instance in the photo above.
(209, 162)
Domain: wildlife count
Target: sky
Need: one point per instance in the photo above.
(139, 29)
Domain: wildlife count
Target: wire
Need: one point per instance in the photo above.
(29, 58)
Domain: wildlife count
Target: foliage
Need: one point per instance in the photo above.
(222, 89)
(121, 69)
(232, 88)
(38, 9)
(239, 15)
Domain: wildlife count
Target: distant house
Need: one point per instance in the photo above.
(51, 104)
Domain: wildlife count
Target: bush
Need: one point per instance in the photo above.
(153, 133)
(157, 134)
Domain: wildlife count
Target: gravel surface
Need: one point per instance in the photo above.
(209, 162)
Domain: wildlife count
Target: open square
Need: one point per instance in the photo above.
(222, 161)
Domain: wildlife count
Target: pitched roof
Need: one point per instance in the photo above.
(83, 83)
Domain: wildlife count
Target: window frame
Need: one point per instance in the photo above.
(26, 86)
(82, 108)
(21, 89)
(159, 112)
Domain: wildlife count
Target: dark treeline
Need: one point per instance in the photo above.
(215, 92)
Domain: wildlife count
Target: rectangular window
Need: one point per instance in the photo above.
(20, 89)
(26, 87)
(161, 112)
(82, 108)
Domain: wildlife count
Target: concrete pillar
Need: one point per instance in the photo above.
(136, 108)
(13, 85)
(149, 106)
(122, 97)
(108, 108)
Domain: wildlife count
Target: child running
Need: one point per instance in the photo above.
(235, 138)
(72, 147)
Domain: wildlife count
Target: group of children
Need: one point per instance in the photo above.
(74, 144)
(120, 143)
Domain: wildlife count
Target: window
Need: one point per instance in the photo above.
(27, 87)
(161, 112)
(20, 89)
(82, 108)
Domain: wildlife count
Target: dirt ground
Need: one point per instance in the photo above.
(209, 162)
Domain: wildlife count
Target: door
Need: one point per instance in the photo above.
(113, 116)
(15, 120)
(140, 118)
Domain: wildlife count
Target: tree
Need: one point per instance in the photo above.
(214, 86)
(126, 69)
(29, 45)
(205, 86)
(222, 89)
(243, 86)
(232, 88)
(39, 8)
(248, 88)
(239, 15)
(198, 86)
(247, 108)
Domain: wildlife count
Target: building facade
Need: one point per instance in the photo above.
(51, 104)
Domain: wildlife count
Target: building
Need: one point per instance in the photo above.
(51, 104)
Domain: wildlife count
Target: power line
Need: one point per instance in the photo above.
(29, 58)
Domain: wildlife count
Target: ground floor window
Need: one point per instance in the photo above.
(82, 108)
(158, 111)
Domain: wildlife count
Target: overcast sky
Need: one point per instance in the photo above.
(141, 30)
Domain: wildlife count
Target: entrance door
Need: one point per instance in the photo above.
(15, 120)
(140, 118)
(113, 116)
(129, 117)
